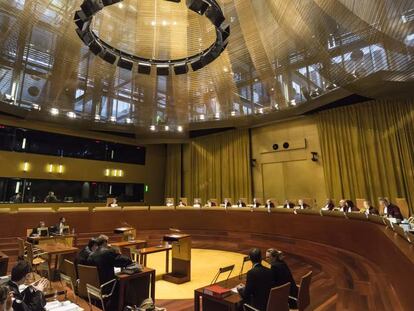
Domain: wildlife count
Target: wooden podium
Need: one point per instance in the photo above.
(181, 258)
(128, 233)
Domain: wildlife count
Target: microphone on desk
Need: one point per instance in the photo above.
(174, 230)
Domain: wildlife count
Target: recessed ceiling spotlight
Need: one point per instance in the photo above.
(277, 106)
(293, 102)
(233, 113)
(217, 115)
(120, 5)
(71, 115)
(36, 106)
(166, 128)
(179, 128)
(153, 23)
(152, 127)
(272, 89)
(202, 117)
(225, 69)
(128, 121)
(112, 119)
(97, 117)
(54, 111)
(255, 80)
(260, 110)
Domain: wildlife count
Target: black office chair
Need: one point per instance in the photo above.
(223, 270)
(245, 258)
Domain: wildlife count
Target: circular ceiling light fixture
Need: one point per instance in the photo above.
(210, 8)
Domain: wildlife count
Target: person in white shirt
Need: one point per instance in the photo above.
(256, 203)
(114, 203)
(240, 203)
(329, 205)
(269, 204)
(302, 205)
(197, 203)
(342, 205)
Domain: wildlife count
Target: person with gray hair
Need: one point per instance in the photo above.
(282, 273)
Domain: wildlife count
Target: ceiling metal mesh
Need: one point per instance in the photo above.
(281, 54)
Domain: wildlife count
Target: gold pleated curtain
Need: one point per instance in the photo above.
(220, 166)
(173, 172)
(368, 150)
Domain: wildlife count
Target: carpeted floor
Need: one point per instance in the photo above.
(204, 265)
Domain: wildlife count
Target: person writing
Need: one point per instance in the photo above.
(282, 273)
(32, 297)
(259, 282)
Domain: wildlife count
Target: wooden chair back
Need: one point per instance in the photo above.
(278, 298)
(21, 251)
(403, 205)
(304, 291)
(29, 252)
(68, 268)
(87, 275)
(360, 203)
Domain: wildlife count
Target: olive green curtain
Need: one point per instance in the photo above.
(220, 166)
(173, 172)
(368, 150)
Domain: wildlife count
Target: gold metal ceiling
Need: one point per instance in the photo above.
(281, 54)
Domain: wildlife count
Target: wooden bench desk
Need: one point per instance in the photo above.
(155, 249)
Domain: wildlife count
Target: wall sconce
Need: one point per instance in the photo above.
(107, 172)
(315, 157)
(25, 166)
(49, 168)
(114, 173)
(61, 168)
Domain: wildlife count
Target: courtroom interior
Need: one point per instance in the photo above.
(206, 155)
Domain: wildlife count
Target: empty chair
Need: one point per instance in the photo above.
(223, 270)
(245, 258)
(37, 260)
(303, 299)
(69, 275)
(278, 299)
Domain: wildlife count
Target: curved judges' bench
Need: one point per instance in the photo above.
(361, 256)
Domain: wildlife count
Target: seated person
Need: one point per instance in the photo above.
(105, 259)
(288, 204)
(226, 203)
(255, 203)
(211, 203)
(169, 202)
(6, 301)
(259, 282)
(240, 203)
(390, 210)
(329, 205)
(60, 226)
(342, 205)
(83, 255)
(16, 198)
(181, 203)
(282, 273)
(302, 205)
(50, 198)
(269, 204)
(31, 298)
(350, 207)
(114, 203)
(36, 231)
(369, 209)
(197, 203)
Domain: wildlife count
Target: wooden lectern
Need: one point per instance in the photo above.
(128, 233)
(181, 258)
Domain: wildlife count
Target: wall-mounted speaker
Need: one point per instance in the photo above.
(286, 145)
(275, 146)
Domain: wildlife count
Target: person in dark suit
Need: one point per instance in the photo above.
(288, 204)
(269, 204)
(31, 298)
(391, 210)
(369, 209)
(329, 205)
(105, 259)
(35, 230)
(227, 203)
(282, 274)
(302, 205)
(83, 255)
(255, 203)
(240, 203)
(181, 203)
(259, 282)
(350, 207)
(58, 228)
(6, 301)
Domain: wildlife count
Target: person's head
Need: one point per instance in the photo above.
(268, 201)
(384, 202)
(62, 220)
(20, 272)
(328, 201)
(367, 204)
(300, 201)
(102, 240)
(51, 193)
(287, 201)
(42, 224)
(4, 293)
(255, 255)
(342, 203)
(93, 244)
(254, 199)
(273, 255)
